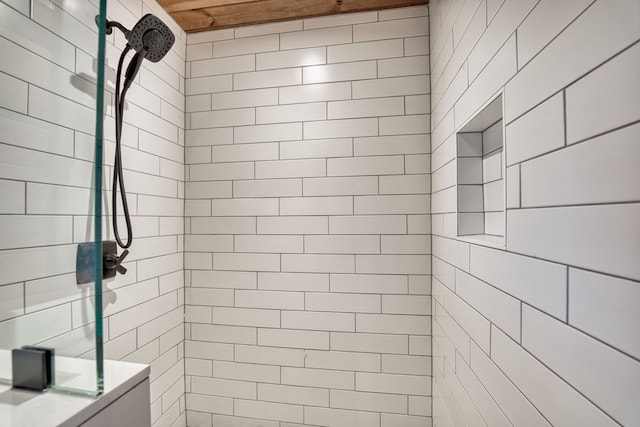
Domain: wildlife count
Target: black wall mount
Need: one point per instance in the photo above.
(111, 262)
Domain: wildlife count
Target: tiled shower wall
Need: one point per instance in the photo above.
(307, 223)
(47, 116)
(544, 331)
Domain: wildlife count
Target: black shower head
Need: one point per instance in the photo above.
(152, 34)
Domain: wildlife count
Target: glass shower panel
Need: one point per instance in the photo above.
(50, 91)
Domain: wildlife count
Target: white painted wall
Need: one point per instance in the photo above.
(546, 331)
(307, 223)
(47, 116)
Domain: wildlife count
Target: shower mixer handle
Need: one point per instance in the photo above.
(113, 262)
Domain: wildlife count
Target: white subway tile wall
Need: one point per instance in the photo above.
(534, 333)
(308, 223)
(47, 117)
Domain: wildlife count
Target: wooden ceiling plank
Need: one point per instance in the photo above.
(243, 12)
(182, 5)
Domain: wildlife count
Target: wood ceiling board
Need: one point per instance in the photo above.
(236, 13)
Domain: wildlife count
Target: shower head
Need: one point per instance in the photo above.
(149, 34)
(152, 34)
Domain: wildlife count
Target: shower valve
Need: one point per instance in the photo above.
(110, 261)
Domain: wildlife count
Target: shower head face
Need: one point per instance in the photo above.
(152, 33)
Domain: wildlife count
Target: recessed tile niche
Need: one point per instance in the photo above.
(480, 148)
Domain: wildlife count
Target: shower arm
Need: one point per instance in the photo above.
(111, 24)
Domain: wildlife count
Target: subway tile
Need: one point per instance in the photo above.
(527, 88)
(206, 137)
(342, 361)
(340, 186)
(221, 171)
(536, 282)
(369, 343)
(208, 296)
(246, 262)
(246, 317)
(291, 338)
(340, 417)
(269, 28)
(391, 144)
(374, 402)
(209, 36)
(244, 98)
(574, 235)
(393, 383)
(349, 303)
(220, 225)
(407, 245)
(269, 244)
(368, 284)
(365, 108)
(290, 168)
(294, 395)
(291, 58)
(374, 165)
(208, 190)
(293, 281)
(14, 300)
(245, 46)
(268, 188)
(269, 299)
(314, 92)
(405, 184)
(315, 37)
(539, 131)
(28, 132)
(267, 133)
(500, 308)
(246, 371)
(292, 225)
(221, 333)
(511, 401)
(343, 128)
(245, 152)
(244, 207)
(410, 365)
(543, 24)
(268, 78)
(417, 104)
(205, 403)
(344, 244)
(390, 420)
(13, 93)
(23, 231)
(583, 185)
(270, 355)
(605, 376)
(199, 51)
(391, 86)
(318, 321)
(36, 327)
(392, 324)
(208, 84)
(322, 378)
(406, 304)
(503, 25)
(592, 110)
(291, 113)
(416, 46)
(341, 205)
(391, 204)
(393, 264)
(365, 51)
(420, 405)
(615, 319)
(224, 279)
(407, 66)
(128, 319)
(268, 410)
(223, 388)
(410, 27)
(53, 108)
(219, 66)
(223, 118)
(339, 20)
(560, 403)
(339, 72)
(368, 224)
(419, 224)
